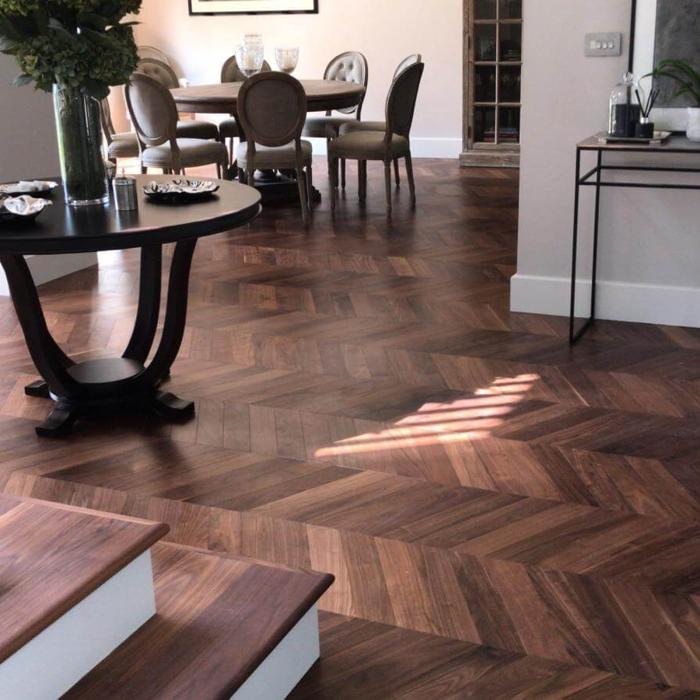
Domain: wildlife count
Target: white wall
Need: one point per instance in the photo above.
(28, 149)
(384, 30)
(28, 143)
(649, 257)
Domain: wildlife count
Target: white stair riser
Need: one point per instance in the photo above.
(286, 664)
(57, 658)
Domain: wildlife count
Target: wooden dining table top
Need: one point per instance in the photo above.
(222, 98)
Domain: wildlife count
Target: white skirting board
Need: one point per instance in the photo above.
(615, 301)
(46, 268)
(421, 147)
(286, 664)
(59, 656)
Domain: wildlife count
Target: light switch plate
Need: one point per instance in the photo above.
(603, 44)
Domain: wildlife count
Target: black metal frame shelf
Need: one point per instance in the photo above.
(677, 145)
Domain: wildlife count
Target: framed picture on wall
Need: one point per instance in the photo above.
(251, 7)
(665, 29)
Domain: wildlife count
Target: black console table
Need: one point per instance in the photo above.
(676, 145)
(127, 383)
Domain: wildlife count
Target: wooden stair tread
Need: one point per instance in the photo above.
(53, 556)
(218, 619)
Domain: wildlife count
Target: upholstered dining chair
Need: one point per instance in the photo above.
(166, 76)
(231, 73)
(387, 146)
(351, 67)
(153, 52)
(154, 116)
(272, 111)
(119, 145)
(381, 125)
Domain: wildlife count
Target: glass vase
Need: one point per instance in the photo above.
(79, 132)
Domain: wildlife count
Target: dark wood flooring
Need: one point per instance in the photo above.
(505, 517)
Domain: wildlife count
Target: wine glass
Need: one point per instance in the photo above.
(287, 58)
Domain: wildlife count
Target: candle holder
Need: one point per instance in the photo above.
(250, 55)
(287, 58)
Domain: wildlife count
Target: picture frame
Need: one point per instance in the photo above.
(646, 48)
(252, 7)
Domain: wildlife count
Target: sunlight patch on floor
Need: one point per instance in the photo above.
(471, 418)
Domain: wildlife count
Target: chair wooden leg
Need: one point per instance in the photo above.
(310, 185)
(332, 174)
(342, 173)
(362, 176)
(303, 198)
(411, 180)
(250, 176)
(218, 171)
(397, 173)
(387, 179)
(230, 150)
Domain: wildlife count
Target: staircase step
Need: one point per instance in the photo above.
(74, 584)
(226, 627)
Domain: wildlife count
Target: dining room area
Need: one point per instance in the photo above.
(290, 402)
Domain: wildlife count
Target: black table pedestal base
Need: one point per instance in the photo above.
(64, 414)
(108, 387)
(277, 188)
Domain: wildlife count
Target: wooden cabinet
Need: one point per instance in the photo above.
(492, 74)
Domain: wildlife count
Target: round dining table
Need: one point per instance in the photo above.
(222, 98)
(125, 384)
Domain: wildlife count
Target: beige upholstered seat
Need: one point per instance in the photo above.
(276, 158)
(350, 67)
(192, 153)
(356, 124)
(231, 73)
(387, 146)
(326, 127)
(124, 145)
(154, 115)
(362, 126)
(272, 111)
(165, 75)
(371, 145)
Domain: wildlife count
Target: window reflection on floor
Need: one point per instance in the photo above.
(471, 418)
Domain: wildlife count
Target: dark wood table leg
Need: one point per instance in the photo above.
(108, 386)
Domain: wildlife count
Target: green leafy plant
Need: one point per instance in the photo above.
(682, 73)
(70, 43)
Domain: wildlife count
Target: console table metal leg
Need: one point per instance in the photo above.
(577, 190)
(575, 336)
(594, 269)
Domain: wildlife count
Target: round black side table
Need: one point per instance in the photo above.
(127, 383)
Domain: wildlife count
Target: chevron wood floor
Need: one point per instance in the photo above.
(506, 518)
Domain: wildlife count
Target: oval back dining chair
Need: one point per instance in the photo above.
(153, 52)
(351, 67)
(119, 145)
(381, 125)
(231, 73)
(158, 70)
(166, 76)
(154, 116)
(408, 61)
(389, 145)
(272, 111)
